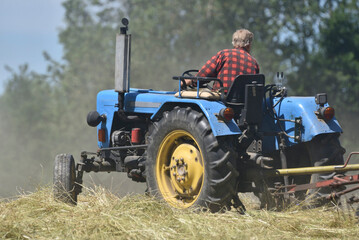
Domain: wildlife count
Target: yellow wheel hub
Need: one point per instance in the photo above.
(186, 169)
(179, 169)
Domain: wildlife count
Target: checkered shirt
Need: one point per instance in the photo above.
(227, 64)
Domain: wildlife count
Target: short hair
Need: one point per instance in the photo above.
(242, 38)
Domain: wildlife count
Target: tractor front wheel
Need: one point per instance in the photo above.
(64, 179)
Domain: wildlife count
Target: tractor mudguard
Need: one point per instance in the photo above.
(156, 102)
(210, 109)
(292, 108)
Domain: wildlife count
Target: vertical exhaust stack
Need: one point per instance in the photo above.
(123, 59)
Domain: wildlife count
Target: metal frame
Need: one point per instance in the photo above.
(335, 183)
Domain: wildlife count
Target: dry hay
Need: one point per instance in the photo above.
(102, 215)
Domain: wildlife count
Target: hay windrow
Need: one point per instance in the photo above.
(102, 215)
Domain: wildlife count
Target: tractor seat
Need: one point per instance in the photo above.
(204, 93)
(236, 93)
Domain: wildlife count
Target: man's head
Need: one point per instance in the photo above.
(242, 38)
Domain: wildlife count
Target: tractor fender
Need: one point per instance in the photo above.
(209, 108)
(298, 107)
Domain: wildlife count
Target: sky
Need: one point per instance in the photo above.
(27, 29)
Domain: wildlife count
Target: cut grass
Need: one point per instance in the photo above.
(102, 215)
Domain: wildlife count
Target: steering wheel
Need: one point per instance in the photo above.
(189, 73)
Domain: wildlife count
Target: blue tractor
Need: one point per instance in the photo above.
(201, 147)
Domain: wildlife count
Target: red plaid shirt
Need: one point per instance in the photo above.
(227, 64)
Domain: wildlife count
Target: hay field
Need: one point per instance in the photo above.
(102, 215)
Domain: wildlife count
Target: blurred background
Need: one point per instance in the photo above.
(56, 55)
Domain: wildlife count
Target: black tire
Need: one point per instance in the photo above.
(177, 133)
(324, 150)
(64, 179)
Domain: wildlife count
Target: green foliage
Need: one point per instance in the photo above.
(25, 106)
(329, 61)
(340, 43)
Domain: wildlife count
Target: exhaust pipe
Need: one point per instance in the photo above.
(123, 59)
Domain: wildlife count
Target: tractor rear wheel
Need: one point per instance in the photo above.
(187, 166)
(64, 179)
(324, 150)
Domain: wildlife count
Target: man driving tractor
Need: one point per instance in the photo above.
(229, 63)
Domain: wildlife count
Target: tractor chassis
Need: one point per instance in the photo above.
(98, 162)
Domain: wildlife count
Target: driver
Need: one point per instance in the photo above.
(229, 63)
